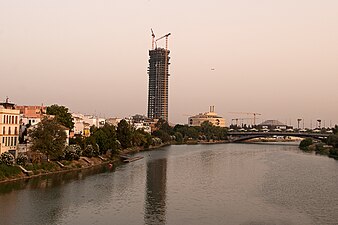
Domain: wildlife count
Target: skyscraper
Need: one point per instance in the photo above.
(158, 83)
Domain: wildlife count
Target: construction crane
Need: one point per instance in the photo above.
(249, 113)
(153, 39)
(241, 120)
(166, 40)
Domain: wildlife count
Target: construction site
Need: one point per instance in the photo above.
(158, 79)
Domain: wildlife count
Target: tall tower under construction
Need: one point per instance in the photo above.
(158, 81)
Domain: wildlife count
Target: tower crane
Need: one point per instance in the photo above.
(240, 120)
(153, 39)
(166, 40)
(249, 113)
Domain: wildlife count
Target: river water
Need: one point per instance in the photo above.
(245, 184)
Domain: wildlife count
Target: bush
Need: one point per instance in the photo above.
(304, 144)
(89, 151)
(72, 152)
(334, 153)
(7, 158)
(22, 159)
(42, 167)
(8, 171)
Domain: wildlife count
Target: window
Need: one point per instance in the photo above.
(12, 119)
(4, 130)
(6, 141)
(9, 131)
(16, 120)
(12, 141)
(3, 140)
(15, 130)
(15, 141)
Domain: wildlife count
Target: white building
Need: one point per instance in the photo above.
(82, 123)
(210, 116)
(9, 128)
(142, 126)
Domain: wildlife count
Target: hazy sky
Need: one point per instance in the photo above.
(278, 58)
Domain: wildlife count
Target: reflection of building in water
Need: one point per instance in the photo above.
(155, 208)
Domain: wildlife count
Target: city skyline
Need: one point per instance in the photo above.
(274, 58)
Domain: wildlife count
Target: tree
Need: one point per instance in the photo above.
(305, 143)
(124, 134)
(164, 136)
(164, 126)
(49, 137)
(105, 137)
(178, 137)
(333, 140)
(62, 115)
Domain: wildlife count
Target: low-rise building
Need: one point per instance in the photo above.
(273, 125)
(210, 116)
(9, 128)
(31, 115)
(82, 123)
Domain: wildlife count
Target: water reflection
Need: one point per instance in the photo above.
(53, 180)
(155, 202)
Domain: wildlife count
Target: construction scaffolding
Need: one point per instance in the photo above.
(158, 83)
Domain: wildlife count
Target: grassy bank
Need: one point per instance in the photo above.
(13, 173)
(9, 172)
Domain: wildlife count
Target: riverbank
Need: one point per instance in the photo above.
(84, 163)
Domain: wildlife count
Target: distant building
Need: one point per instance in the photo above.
(113, 121)
(82, 123)
(272, 125)
(31, 115)
(158, 83)
(210, 116)
(9, 128)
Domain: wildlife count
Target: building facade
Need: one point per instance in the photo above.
(158, 84)
(273, 125)
(210, 116)
(9, 128)
(31, 115)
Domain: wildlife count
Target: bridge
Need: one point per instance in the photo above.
(237, 136)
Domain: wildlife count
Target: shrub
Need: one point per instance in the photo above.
(72, 152)
(8, 171)
(88, 151)
(22, 159)
(7, 158)
(304, 144)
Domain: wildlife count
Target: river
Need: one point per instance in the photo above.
(245, 184)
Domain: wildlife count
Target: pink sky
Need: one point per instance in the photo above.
(278, 58)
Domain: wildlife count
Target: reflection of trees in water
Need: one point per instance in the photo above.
(44, 199)
(155, 204)
(49, 181)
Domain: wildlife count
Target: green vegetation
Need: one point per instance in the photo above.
(330, 148)
(72, 152)
(305, 144)
(8, 171)
(124, 134)
(62, 115)
(7, 159)
(49, 138)
(187, 134)
(333, 141)
(43, 167)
